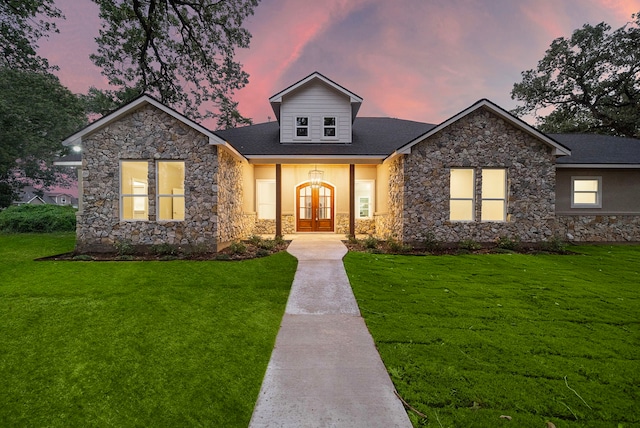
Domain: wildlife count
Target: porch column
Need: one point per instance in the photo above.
(278, 199)
(352, 200)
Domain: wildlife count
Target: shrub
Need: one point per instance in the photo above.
(506, 243)
(255, 240)
(370, 242)
(430, 243)
(124, 247)
(266, 244)
(262, 252)
(237, 247)
(164, 249)
(554, 245)
(38, 219)
(469, 245)
(396, 246)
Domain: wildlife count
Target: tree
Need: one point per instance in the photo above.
(180, 51)
(36, 114)
(591, 80)
(22, 23)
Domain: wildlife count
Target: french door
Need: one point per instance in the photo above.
(314, 208)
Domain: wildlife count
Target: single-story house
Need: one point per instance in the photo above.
(150, 175)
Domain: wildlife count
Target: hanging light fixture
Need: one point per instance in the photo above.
(315, 176)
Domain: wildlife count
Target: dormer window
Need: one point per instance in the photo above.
(329, 127)
(302, 126)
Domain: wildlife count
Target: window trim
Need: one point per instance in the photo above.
(334, 126)
(472, 199)
(503, 199)
(598, 192)
(372, 199)
(258, 193)
(132, 195)
(171, 195)
(296, 127)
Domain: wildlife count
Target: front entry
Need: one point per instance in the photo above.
(315, 207)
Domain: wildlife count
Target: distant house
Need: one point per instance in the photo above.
(150, 175)
(32, 196)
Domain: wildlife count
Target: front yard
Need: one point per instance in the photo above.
(508, 339)
(180, 343)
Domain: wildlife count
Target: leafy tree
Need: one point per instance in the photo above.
(180, 51)
(22, 23)
(36, 113)
(591, 80)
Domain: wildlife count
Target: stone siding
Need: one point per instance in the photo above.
(150, 135)
(395, 221)
(478, 140)
(232, 225)
(599, 228)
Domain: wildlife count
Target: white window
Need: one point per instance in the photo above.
(462, 194)
(266, 199)
(494, 195)
(170, 190)
(302, 127)
(329, 127)
(134, 197)
(586, 192)
(364, 191)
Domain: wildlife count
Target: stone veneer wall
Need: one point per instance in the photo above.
(478, 140)
(232, 223)
(146, 134)
(363, 226)
(599, 228)
(393, 224)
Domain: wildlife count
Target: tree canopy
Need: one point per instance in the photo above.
(591, 80)
(22, 23)
(180, 51)
(36, 114)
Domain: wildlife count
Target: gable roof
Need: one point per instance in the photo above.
(276, 100)
(76, 138)
(373, 138)
(558, 149)
(599, 151)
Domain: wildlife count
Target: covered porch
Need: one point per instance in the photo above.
(315, 196)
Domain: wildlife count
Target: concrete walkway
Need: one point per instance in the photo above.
(325, 370)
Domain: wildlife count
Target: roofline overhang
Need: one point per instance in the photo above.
(311, 159)
(68, 163)
(558, 149)
(76, 138)
(598, 165)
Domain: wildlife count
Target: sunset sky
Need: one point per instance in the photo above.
(423, 60)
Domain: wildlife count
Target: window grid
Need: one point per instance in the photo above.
(329, 129)
(586, 192)
(494, 195)
(462, 194)
(302, 126)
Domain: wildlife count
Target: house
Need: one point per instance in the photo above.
(150, 175)
(31, 195)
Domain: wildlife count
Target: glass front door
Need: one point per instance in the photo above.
(315, 207)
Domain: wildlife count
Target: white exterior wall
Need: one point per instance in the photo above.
(315, 101)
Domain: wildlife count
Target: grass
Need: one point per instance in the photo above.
(180, 343)
(468, 339)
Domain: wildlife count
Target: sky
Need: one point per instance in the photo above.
(422, 60)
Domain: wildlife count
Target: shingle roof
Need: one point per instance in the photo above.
(372, 136)
(599, 149)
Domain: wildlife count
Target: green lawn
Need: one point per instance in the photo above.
(180, 343)
(467, 339)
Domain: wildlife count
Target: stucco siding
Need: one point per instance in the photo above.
(620, 191)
